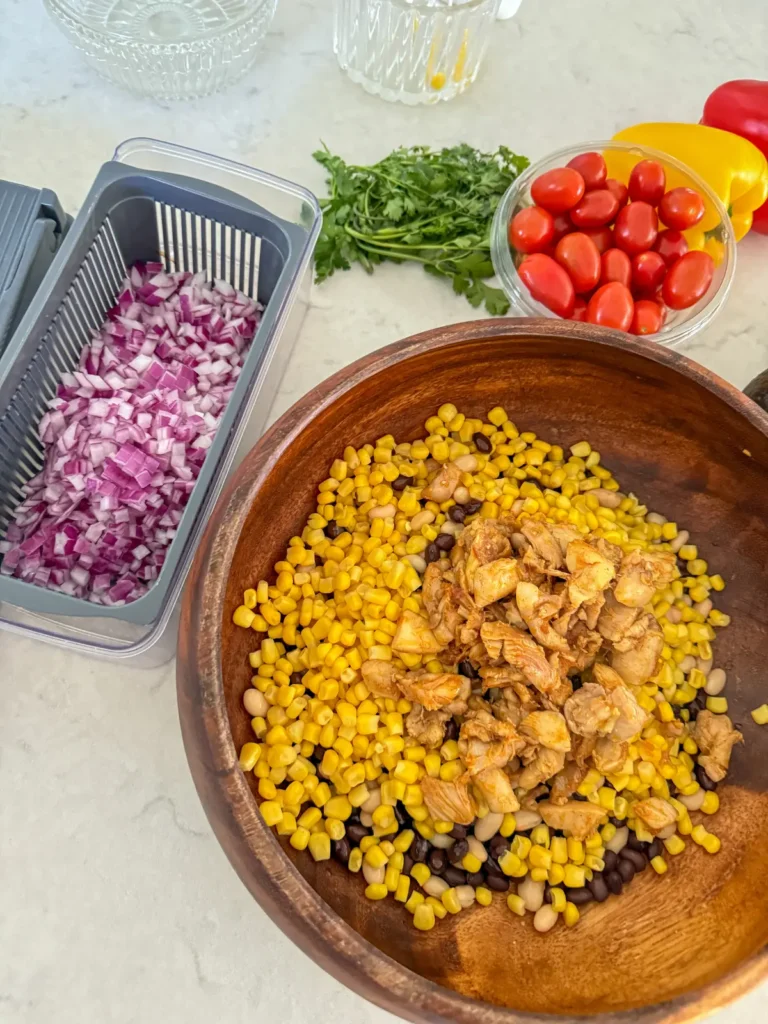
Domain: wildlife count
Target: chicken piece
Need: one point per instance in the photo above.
(547, 728)
(583, 646)
(616, 620)
(566, 782)
(495, 788)
(544, 765)
(521, 651)
(543, 543)
(479, 543)
(638, 664)
(413, 635)
(508, 707)
(563, 534)
(612, 552)
(589, 711)
(590, 572)
(576, 817)
(511, 614)
(434, 690)
(589, 612)
(537, 611)
(426, 727)
(495, 580)
(655, 814)
(441, 488)
(582, 748)
(487, 742)
(610, 755)
(449, 801)
(716, 738)
(529, 800)
(606, 676)
(497, 678)
(641, 574)
(632, 717)
(452, 615)
(381, 678)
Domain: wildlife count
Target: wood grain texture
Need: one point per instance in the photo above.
(668, 950)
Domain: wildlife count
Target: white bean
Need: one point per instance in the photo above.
(704, 665)
(417, 562)
(619, 841)
(383, 511)
(531, 893)
(454, 529)
(442, 841)
(674, 615)
(687, 599)
(422, 518)
(668, 832)
(478, 849)
(519, 542)
(435, 886)
(545, 918)
(703, 607)
(466, 463)
(366, 819)
(715, 682)
(656, 518)
(679, 541)
(694, 802)
(465, 895)
(487, 827)
(461, 495)
(372, 802)
(607, 499)
(687, 663)
(526, 820)
(373, 876)
(255, 703)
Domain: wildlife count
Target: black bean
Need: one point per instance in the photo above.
(635, 844)
(492, 867)
(482, 443)
(432, 554)
(357, 832)
(707, 784)
(452, 733)
(617, 822)
(437, 862)
(499, 883)
(579, 896)
(419, 849)
(454, 876)
(466, 668)
(476, 878)
(576, 682)
(457, 514)
(342, 850)
(400, 483)
(656, 849)
(401, 815)
(472, 506)
(458, 851)
(547, 892)
(408, 863)
(638, 861)
(445, 541)
(626, 869)
(598, 888)
(498, 846)
(459, 832)
(333, 530)
(611, 860)
(614, 882)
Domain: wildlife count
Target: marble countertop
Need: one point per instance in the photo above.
(118, 906)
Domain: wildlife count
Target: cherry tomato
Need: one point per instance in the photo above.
(647, 182)
(591, 166)
(615, 266)
(670, 245)
(558, 190)
(548, 283)
(688, 280)
(602, 237)
(578, 254)
(579, 310)
(648, 270)
(563, 225)
(595, 210)
(611, 306)
(531, 229)
(681, 208)
(647, 318)
(636, 228)
(619, 190)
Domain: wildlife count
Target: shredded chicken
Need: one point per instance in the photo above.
(589, 712)
(544, 765)
(716, 738)
(543, 543)
(537, 611)
(381, 678)
(655, 814)
(576, 817)
(590, 572)
(641, 574)
(566, 782)
(495, 787)
(434, 690)
(521, 651)
(495, 580)
(479, 543)
(452, 615)
(413, 635)
(616, 620)
(426, 727)
(449, 801)
(487, 742)
(610, 754)
(548, 728)
(637, 664)
(444, 484)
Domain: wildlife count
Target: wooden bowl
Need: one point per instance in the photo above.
(669, 949)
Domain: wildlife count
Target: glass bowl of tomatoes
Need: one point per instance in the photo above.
(618, 235)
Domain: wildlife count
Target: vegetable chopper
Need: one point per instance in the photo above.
(187, 210)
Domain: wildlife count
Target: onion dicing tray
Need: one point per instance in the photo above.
(145, 214)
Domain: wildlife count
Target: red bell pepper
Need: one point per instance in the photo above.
(741, 107)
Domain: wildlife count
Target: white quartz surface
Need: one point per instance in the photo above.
(118, 906)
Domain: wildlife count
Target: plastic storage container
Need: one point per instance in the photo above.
(190, 211)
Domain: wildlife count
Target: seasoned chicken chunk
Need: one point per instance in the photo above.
(521, 651)
(434, 690)
(413, 635)
(495, 787)
(616, 620)
(381, 678)
(566, 782)
(641, 574)
(590, 572)
(497, 678)
(452, 614)
(639, 663)
(444, 484)
(426, 727)
(487, 742)
(547, 728)
(655, 814)
(589, 711)
(537, 611)
(495, 580)
(543, 543)
(449, 801)
(576, 817)
(610, 754)
(542, 767)
(716, 738)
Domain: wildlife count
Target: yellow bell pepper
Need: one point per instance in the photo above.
(733, 167)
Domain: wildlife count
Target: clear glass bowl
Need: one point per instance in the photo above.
(413, 51)
(169, 49)
(621, 157)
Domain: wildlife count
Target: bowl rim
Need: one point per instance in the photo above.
(254, 852)
(519, 295)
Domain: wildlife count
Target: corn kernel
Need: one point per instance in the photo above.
(659, 865)
(424, 917)
(516, 904)
(483, 896)
(403, 888)
(420, 872)
(759, 715)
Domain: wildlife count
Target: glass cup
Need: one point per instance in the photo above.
(413, 51)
